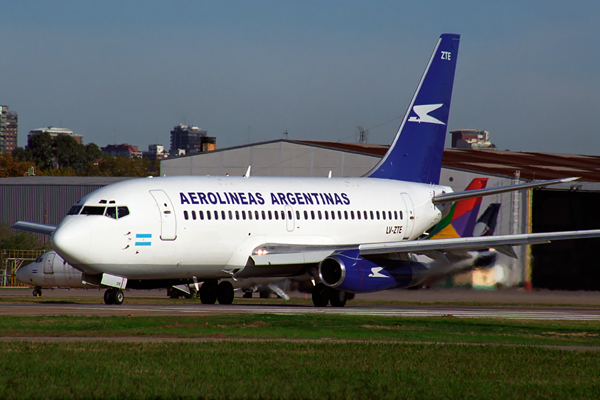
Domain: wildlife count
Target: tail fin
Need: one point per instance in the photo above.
(486, 224)
(417, 151)
(460, 221)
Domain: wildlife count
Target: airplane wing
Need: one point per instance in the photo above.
(34, 227)
(455, 196)
(279, 254)
(500, 243)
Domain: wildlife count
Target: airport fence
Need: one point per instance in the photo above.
(11, 261)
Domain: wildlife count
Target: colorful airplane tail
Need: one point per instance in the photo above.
(460, 221)
(417, 151)
(486, 224)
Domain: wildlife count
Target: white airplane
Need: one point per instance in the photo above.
(47, 271)
(351, 235)
(50, 271)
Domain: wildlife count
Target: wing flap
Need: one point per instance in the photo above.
(280, 254)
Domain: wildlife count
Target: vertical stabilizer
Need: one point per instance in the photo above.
(417, 151)
(460, 221)
(486, 224)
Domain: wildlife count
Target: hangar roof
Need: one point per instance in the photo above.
(532, 165)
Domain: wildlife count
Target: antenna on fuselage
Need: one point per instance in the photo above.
(247, 175)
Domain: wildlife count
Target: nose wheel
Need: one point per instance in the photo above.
(114, 296)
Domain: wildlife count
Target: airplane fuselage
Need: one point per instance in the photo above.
(206, 227)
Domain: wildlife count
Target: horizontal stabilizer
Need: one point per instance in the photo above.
(455, 196)
(34, 227)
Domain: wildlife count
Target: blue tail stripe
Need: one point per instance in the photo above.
(417, 151)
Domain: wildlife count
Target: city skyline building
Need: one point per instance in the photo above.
(187, 140)
(54, 132)
(121, 150)
(9, 127)
(471, 139)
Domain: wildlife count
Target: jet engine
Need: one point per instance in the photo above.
(348, 271)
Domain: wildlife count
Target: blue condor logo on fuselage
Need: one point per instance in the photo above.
(247, 198)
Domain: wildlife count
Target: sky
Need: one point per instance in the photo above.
(248, 71)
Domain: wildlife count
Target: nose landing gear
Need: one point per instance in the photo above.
(114, 296)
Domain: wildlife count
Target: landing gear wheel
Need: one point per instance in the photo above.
(264, 294)
(109, 297)
(320, 295)
(37, 292)
(225, 293)
(208, 292)
(337, 298)
(119, 297)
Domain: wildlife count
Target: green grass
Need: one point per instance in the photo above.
(310, 327)
(291, 370)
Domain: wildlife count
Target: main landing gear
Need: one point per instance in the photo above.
(322, 295)
(211, 291)
(114, 296)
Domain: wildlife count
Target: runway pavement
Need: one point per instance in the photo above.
(571, 314)
(507, 305)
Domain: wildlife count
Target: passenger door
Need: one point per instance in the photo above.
(49, 263)
(167, 215)
(409, 215)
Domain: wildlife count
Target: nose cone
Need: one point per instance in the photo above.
(24, 274)
(71, 240)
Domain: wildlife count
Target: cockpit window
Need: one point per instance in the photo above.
(39, 259)
(74, 210)
(111, 212)
(93, 210)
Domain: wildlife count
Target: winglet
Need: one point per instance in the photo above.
(417, 151)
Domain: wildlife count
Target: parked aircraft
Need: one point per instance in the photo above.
(351, 234)
(50, 271)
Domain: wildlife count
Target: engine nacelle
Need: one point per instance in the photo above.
(348, 271)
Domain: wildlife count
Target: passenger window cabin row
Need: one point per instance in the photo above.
(276, 215)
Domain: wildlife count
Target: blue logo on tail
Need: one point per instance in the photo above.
(417, 151)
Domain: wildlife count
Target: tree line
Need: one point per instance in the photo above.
(62, 155)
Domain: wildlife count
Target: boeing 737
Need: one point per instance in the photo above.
(50, 271)
(351, 235)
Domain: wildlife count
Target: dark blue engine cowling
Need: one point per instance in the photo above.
(348, 271)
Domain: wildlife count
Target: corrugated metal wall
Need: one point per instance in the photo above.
(45, 204)
(277, 158)
(44, 200)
